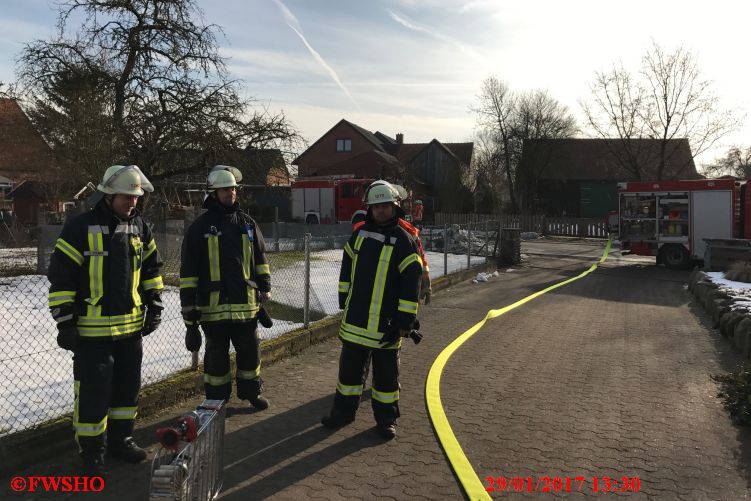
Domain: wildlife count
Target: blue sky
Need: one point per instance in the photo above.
(416, 66)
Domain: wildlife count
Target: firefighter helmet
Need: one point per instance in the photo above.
(418, 202)
(223, 176)
(380, 192)
(124, 180)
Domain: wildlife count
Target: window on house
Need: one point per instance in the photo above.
(343, 145)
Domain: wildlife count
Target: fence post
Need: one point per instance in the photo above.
(306, 305)
(276, 228)
(469, 245)
(445, 249)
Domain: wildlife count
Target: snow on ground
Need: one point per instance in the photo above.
(739, 292)
(18, 257)
(36, 376)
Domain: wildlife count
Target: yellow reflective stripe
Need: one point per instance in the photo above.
(358, 242)
(246, 256)
(343, 286)
(235, 316)
(214, 271)
(254, 374)
(374, 314)
(348, 250)
(134, 316)
(226, 307)
(349, 390)
(69, 251)
(217, 380)
(359, 330)
(90, 429)
(187, 282)
(386, 397)
(263, 269)
(114, 330)
(60, 297)
(407, 306)
(153, 283)
(353, 338)
(96, 267)
(412, 258)
(122, 412)
(136, 276)
(150, 248)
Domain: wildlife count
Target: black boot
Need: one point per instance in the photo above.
(387, 431)
(259, 402)
(127, 450)
(93, 464)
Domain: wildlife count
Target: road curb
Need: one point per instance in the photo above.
(22, 449)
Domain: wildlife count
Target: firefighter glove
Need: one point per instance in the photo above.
(192, 316)
(67, 336)
(193, 338)
(153, 319)
(153, 313)
(264, 318)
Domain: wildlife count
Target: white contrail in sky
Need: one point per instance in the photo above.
(408, 23)
(295, 25)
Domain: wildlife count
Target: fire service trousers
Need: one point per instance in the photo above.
(107, 379)
(217, 377)
(353, 364)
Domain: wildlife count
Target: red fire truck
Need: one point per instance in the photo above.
(671, 219)
(330, 199)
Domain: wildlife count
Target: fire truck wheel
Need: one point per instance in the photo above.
(675, 257)
(311, 219)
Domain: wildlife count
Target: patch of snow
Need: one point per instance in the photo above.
(36, 376)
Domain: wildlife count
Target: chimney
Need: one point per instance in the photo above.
(399, 138)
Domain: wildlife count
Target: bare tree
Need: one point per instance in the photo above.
(506, 120)
(159, 66)
(736, 162)
(668, 100)
(495, 112)
(538, 116)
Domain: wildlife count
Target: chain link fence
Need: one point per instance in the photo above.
(36, 376)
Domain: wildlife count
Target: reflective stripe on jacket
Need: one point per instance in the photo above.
(223, 264)
(378, 284)
(100, 270)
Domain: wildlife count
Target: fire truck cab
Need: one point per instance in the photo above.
(671, 219)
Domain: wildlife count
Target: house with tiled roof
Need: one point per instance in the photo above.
(433, 171)
(23, 152)
(26, 161)
(578, 177)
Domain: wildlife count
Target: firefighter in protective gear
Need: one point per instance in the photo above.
(224, 278)
(105, 287)
(399, 194)
(378, 289)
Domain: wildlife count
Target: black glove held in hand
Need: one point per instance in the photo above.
(264, 318)
(153, 312)
(153, 319)
(67, 337)
(193, 338)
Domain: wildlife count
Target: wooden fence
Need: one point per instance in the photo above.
(544, 225)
